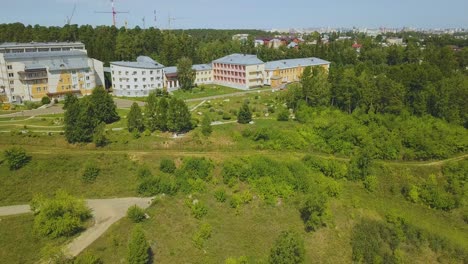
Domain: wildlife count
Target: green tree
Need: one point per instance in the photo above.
(99, 136)
(80, 121)
(161, 114)
(244, 115)
(63, 215)
(178, 116)
(288, 249)
(314, 211)
(151, 108)
(185, 73)
(138, 251)
(16, 158)
(206, 125)
(135, 119)
(315, 86)
(103, 105)
(69, 100)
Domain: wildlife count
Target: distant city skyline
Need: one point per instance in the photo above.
(243, 14)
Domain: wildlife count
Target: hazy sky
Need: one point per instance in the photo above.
(262, 14)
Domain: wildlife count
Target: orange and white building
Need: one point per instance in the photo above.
(281, 72)
(30, 71)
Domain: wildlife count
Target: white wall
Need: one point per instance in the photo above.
(135, 82)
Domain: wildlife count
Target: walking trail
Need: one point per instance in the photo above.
(105, 212)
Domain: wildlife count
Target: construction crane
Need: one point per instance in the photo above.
(69, 18)
(170, 19)
(113, 12)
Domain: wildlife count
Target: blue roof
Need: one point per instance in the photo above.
(240, 59)
(143, 62)
(293, 63)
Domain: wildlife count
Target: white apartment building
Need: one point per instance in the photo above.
(30, 71)
(138, 78)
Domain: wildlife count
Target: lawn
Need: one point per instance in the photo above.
(18, 244)
(205, 91)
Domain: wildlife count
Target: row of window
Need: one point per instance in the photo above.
(229, 66)
(203, 80)
(136, 79)
(135, 72)
(40, 89)
(144, 86)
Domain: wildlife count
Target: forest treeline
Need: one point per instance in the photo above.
(427, 77)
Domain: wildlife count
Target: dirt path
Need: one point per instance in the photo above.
(14, 210)
(105, 212)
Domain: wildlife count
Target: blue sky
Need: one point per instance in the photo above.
(262, 14)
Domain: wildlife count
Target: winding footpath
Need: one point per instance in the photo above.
(105, 212)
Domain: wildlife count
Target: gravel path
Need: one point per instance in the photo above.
(105, 212)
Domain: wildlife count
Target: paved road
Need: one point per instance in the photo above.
(105, 212)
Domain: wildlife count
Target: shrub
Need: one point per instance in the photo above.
(16, 158)
(198, 209)
(63, 215)
(157, 185)
(283, 115)
(370, 183)
(288, 248)
(87, 258)
(220, 196)
(202, 234)
(226, 116)
(244, 115)
(138, 251)
(144, 172)
(45, 100)
(90, 173)
(167, 166)
(195, 168)
(135, 214)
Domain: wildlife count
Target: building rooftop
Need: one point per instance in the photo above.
(196, 67)
(8, 45)
(240, 59)
(292, 63)
(142, 62)
(170, 70)
(54, 60)
(48, 54)
(202, 67)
